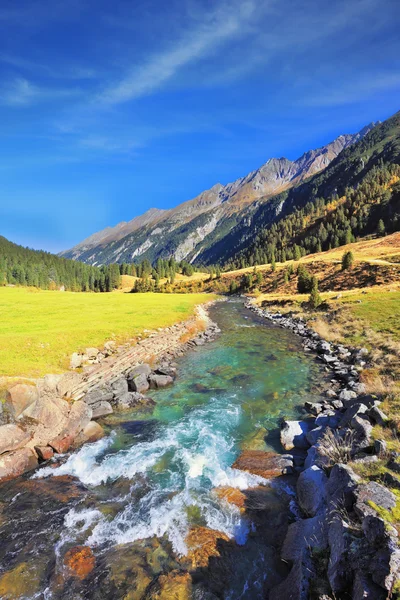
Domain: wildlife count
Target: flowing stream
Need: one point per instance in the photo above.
(138, 495)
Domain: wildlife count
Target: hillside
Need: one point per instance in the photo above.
(196, 229)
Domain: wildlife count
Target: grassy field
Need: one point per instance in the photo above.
(39, 330)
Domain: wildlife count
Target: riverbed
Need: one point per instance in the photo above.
(155, 509)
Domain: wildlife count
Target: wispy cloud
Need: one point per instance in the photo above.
(62, 72)
(226, 23)
(21, 92)
(354, 90)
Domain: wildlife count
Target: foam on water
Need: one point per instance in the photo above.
(198, 449)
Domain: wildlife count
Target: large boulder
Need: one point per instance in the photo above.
(45, 419)
(143, 369)
(120, 387)
(365, 589)
(296, 586)
(139, 383)
(68, 382)
(385, 565)
(102, 393)
(340, 540)
(363, 430)
(12, 437)
(19, 397)
(264, 464)
(341, 486)
(311, 490)
(159, 381)
(79, 416)
(101, 409)
(16, 463)
(371, 494)
(303, 535)
(294, 434)
(352, 411)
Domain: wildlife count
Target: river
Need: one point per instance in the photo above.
(134, 515)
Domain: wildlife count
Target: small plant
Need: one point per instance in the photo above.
(347, 260)
(335, 447)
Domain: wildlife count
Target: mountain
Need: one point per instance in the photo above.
(193, 228)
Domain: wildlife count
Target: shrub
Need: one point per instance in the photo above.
(304, 280)
(347, 260)
(315, 299)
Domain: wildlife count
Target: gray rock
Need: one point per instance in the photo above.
(331, 393)
(296, 586)
(120, 387)
(293, 434)
(351, 412)
(375, 530)
(385, 566)
(314, 435)
(339, 569)
(305, 534)
(338, 404)
(324, 347)
(313, 407)
(328, 419)
(139, 383)
(377, 415)
(76, 360)
(160, 381)
(365, 589)
(341, 486)
(380, 447)
(347, 395)
(92, 353)
(363, 429)
(311, 490)
(374, 493)
(102, 393)
(315, 457)
(101, 409)
(143, 369)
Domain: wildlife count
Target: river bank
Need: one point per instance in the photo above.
(59, 412)
(346, 541)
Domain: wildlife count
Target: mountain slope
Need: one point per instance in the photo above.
(195, 227)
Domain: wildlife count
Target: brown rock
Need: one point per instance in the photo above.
(174, 586)
(45, 419)
(19, 397)
(231, 495)
(13, 464)
(44, 452)
(67, 383)
(202, 544)
(79, 416)
(80, 561)
(12, 437)
(93, 431)
(265, 464)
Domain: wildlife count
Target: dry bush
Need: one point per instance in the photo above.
(193, 330)
(336, 448)
(327, 331)
(376, 382)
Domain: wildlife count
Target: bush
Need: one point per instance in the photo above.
(304, 280)
(315, 299)
(347, 260)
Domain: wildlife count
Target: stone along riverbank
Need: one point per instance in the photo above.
(61, 412)
(342, 546)
(184, 498)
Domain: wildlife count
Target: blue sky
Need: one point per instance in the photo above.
(110, 108)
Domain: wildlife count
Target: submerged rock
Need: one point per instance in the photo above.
(80, 561)
(264, 464)
(202, 543)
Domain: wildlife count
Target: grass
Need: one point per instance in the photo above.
(39, 330)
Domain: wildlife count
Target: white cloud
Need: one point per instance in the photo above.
(354, 91)
(226, 23)
(21, 92)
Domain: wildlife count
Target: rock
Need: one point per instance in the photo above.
(160, 381)
(143, 369)
(377, 415)
(331, 393)
(12, 437)
(92, 353)
(102, 393)
(376, 530)
(139, 383)
(338, 404)
(339, 569)
(363, 429)
(101, 409)
(359, 388)
(324, 347)
(303, 535)
(315, 457)
(76, 360)
(79, 416)
(13, 464)
(352, 411)
(80, 561)
(120, 387)
(341, 486)
(19, 397)
(110, 347)
(93, 431)
(67, 383)
(380, 447)
(314, 435)
(385, 566)
(293, 434)
(44, 452)
(313, 407)
(365, 589)
(166, 370)
(202, 543)
(296, 586)
(311, 490)
(370, 494)
(265, 464)
(347, 395)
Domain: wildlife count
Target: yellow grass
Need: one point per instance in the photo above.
(39, 330)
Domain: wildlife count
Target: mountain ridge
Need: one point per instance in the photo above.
(180, 231)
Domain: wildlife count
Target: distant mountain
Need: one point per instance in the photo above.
(196, 229)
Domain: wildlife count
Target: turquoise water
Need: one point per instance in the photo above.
(155, 474)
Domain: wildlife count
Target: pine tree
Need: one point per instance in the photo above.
(315, 299)
(347, 260)
(380, 230)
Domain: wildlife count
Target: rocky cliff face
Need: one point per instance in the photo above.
(192, 228)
